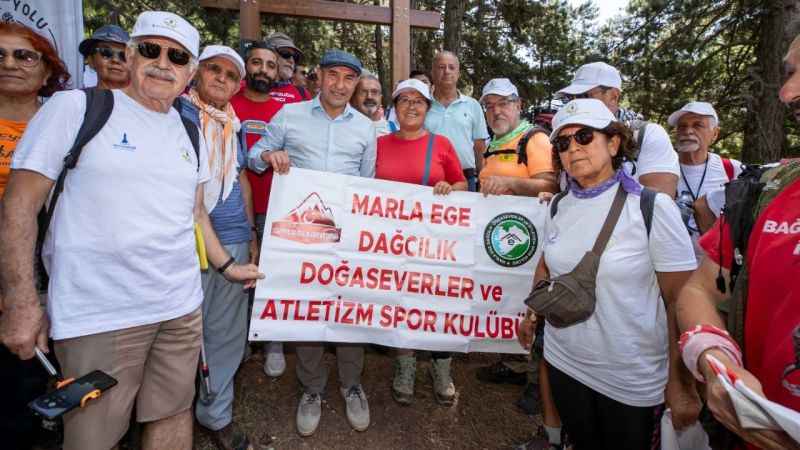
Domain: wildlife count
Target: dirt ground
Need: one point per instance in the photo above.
(484, 416)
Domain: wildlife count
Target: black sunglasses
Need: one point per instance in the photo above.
(286, 54)
(110, 53)
(151, 50)
(25, 57)
(584, 136)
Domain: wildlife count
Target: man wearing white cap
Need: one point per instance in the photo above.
(656, 164)
(125, 290)
(228, 201)
(703, 174)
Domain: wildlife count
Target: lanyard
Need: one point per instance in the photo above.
(702, 179)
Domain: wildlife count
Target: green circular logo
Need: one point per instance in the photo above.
(510, 239)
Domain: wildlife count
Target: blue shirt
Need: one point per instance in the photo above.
(345, 144)
(462, 122)
(229, 217)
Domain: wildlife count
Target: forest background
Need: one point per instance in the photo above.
(727, 52)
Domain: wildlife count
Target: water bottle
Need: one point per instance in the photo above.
(686, 205)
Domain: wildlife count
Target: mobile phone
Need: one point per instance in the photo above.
(73, 394)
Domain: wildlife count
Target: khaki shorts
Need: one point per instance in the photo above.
(155, 366)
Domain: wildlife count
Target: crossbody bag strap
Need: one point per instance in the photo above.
(426, 174)
(611, 221)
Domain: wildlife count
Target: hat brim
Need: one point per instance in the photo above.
(597, 124)
(498, 92)
(239, 66)
(676, 116)
(352, 67)
(577, 88)
(397, 92)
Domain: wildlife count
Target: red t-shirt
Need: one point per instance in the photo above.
(288, 93)
(773, 296)
(254, 117)
(404, 160)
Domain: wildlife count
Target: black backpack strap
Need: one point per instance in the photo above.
(191, 130)
(554, 202)
(647, 204)
(522, 145)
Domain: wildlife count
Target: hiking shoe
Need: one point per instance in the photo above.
(308, 411)
(443, 389)
(357, 407)
(405, 372)
(230, 437)
(530, 403)
(274, 363)
(499, 373)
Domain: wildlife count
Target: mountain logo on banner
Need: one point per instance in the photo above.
(311, 222)
(510, 239)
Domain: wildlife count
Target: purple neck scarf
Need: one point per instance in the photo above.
(630, 186)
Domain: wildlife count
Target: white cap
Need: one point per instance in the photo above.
(499, 86)
(591, 75)
(212, 51)
(582, 111)
(412, 84)
(168, 25)
(700, 108)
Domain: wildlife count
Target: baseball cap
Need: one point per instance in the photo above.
(412, 84)
(499, 86)
(701, 108)
(168, 25)
(106, 33)
(281, 40)
(335, 57)
(212, 51)
(591, 75)
(582, 111)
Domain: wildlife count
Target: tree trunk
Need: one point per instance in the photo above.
(764, 133)
(453, 19)
(386, 80)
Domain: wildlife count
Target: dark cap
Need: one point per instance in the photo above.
(106, 33)
(334, 57)
(281, 40)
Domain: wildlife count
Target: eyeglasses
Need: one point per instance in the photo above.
(288, 54)
(502, 104)
(217, 70)
(24, 57)
(584, 136)
(151, 50)
(408, 102)
(109, 53)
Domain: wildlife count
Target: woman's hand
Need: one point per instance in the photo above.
(442, 188)
(526, 331)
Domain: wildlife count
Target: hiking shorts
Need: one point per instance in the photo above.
(155, 367)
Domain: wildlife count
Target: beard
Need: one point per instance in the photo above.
(259, 83)
(369, 107)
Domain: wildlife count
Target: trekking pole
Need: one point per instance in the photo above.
(46, 364)
(205, 383)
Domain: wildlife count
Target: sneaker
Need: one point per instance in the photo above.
(499, 373)
(308, 411)
(274, 363)
(443, 389)
(357, 407)
(530, 403)
(405, 372)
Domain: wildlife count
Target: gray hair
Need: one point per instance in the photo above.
(369, 76)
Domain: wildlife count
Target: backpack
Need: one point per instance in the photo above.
(522, 146)
(647, 204)
(745, 199)
(639, 129)
(99, 105)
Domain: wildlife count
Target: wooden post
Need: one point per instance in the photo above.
(401, 41)
(249, 20)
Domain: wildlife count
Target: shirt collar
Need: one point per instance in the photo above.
(347, 114)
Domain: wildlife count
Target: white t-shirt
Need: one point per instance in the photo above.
(621, 350)
(656, 154)
(120, 250)
(714, 181)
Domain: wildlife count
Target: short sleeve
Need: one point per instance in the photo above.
(479, 129)
(657, 154)
(737, 168)
(50, 134)
(717, 244)
(452, 168)
(540, 154)
(671, 247)
(716, 200)
(273, 139)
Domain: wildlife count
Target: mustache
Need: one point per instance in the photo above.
(259, 82)
(370, 103)
(162, 74)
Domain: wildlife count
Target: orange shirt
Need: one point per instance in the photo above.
(540, 159)
(10, 133)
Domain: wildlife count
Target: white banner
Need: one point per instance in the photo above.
(60, 21)
(351, 259)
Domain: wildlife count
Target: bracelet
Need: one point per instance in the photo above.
(228, 263)
(704, 337)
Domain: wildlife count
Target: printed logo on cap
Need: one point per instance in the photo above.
(510, 239)
(171, 23)
(572, 108)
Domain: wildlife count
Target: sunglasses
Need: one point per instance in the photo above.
(110, 53)
(288, 54)
(217, 70)
(24, 57)
(151, 50)
(584, 136)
